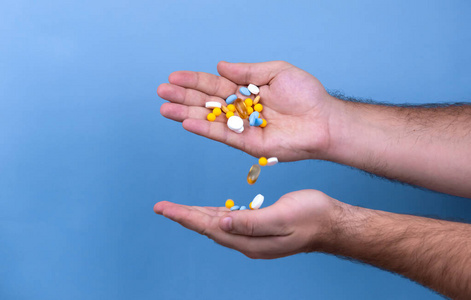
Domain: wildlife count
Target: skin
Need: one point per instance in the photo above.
(419, 145)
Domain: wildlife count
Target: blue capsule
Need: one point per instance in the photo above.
(244, 91)
(235, 207)
(231, 98)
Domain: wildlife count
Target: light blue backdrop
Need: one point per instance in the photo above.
(85, 154)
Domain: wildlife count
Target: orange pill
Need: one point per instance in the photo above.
(248, 102)
(231, 107)
(217, 111)
(229, 114)
(249, 110)
(211, 117)
(241, 108)
(256, 100)
(258, 107)
(264, 123)
(224, 109)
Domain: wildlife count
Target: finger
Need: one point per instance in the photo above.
(179, 112)
(187, 216)
(263, 222)
(219, 131)
(189, 97)
(255, 73)
(209, 84)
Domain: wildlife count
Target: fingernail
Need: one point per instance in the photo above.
(226, 224)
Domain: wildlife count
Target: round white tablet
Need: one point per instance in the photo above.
(236, 124)
(253, 89)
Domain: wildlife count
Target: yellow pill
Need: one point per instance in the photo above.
(224, 109)
(241, 108)
(250, 205)
(217, 111)
(211, 117)
(258, 107)
(229, 203)
(249, 110)
(231, 107)
(264, 123)
(256, 100)
(248, 102)
(229, 114)
(262, 161)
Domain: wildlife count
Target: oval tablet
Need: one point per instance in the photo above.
(235, 207)
(213, 104)
(254, 172)
(253, 89)
(272, 161)
(231, 98)
(244, 91)
(257, 201)
(243, 208)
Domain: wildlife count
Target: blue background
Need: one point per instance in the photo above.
(85, 154)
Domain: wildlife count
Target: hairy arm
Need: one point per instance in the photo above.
(422, 145)
(432, 252)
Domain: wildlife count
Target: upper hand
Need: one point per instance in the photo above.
(296, 107)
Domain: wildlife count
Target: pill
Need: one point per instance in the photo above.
(254, 172)
(211, 117)
(258, 107)
(252, 120)
(256, 100)
(241, 109)
(244, 91)
(262, 161)
(248, 102)
(231, 107)
(257, 202)
(231, 98)
(229, 114)
(258, 122)
(224, 109)
(253, 89)
(243, 208)
(249, 110)
(235, 207)
(272, 161)
(217, 111)
(213, 104)
(236, 124)
(229, 203)
(264, 123)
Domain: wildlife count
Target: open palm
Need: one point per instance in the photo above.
(296, 107)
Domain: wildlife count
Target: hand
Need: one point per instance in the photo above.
(296, 106)
(298, 222)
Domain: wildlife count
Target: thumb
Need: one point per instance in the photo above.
(255, 73)
(263, 222)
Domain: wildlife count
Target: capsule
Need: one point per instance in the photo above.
(241, 108)
(253, 174)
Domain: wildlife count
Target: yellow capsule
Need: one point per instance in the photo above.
(258, 107)
(211, 117)
(248, 102)
(264, 123)
(262, 161)
(256, 100)
(217, 111)
(241, 108)
(229, 114)
(249, 110)
(253, 174)
(231, 107)
(224, 109)
(229, 203)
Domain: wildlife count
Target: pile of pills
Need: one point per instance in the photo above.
(246, 109)
(255, 204)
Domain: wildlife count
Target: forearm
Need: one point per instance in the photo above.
(432, 252)
(429, 147)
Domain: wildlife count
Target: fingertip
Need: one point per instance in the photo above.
(226, 224)
(159, 207)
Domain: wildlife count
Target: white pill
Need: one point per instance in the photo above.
(213, 104)
(272, 161)
(253, 89)
(257, 202)
(236, 124)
